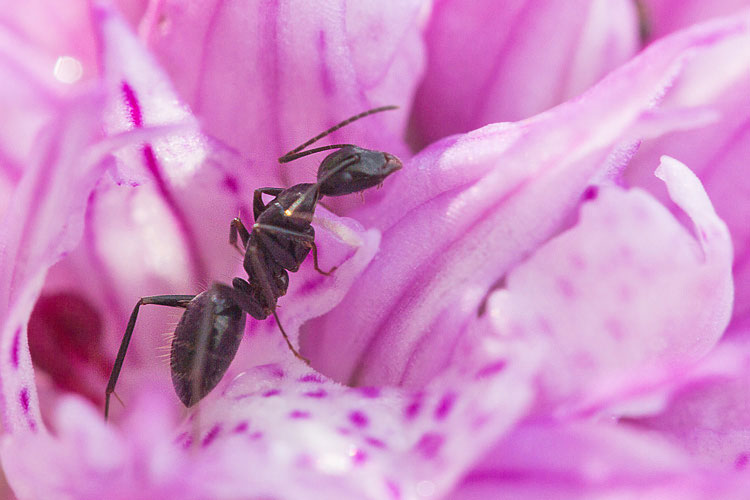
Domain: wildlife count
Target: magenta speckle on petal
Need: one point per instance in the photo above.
(590, 193)
(320, 393)
(393, 489)
(23, 397)
(241, 427)
(566, 288)
(491, 369)
(741, 461)
(373, 441)
(272, 392)
(358, 418)
(16, 347)
(211, 435)
(299, 414)
(231, 184)
(311, 377)
(256, 435)
(445, 406)
(429, 445)
(369, 392)
(134, 109)
(412, 410)
(359, 457)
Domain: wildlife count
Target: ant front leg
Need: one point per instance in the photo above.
(236, 227)
(258, 206)
(159, 300)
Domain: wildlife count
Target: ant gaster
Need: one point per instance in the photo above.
(208, 335)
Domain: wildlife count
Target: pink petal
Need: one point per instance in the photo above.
(490, 62)
(265, 77)
(477, 205)
(43, 221)
(707, 413)
(626, 288)
(665, 16)
(591, 461)
(717, 153)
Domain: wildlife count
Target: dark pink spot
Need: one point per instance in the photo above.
(231, 184)
(358, 418)
(741, 461)
(241, 427)
(429, 445)
(320, 393)
(343, 431)
(369, 392)
(24, 398)
(566, 287)
(299, 414)
(359, 457)
(393, 489)
(256, 436)
(491, 369)
(445, 406)
(131, 101)
(310, 286)
(373, 441)
(16, 347)
(590, 193)
(272, 392)
(311, 377)
(211, 435)
(412, 409)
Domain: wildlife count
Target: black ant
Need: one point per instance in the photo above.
(208, 335)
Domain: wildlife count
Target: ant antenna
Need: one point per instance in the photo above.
(298, 151)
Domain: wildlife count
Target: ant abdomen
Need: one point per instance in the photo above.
(192, 377)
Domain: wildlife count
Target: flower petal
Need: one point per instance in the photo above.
(477, 205)
(592, 290)
(665, 16)
(507, 70)
(43, 221)
(592, 461)
(264, 77)
(717, 153)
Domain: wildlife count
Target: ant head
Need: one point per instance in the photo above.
(352, 169)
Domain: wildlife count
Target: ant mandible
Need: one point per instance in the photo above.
(208, 335)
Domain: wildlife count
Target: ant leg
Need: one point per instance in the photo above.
(260, 273)
(315, 261)
(288, 343)
(258, 206)
(159, 300)
(236, 227)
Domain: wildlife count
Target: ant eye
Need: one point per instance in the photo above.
(352, 169)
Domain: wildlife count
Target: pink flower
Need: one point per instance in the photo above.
(523, 311)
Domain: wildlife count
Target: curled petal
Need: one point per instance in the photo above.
(477, 204)
(624, 289)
